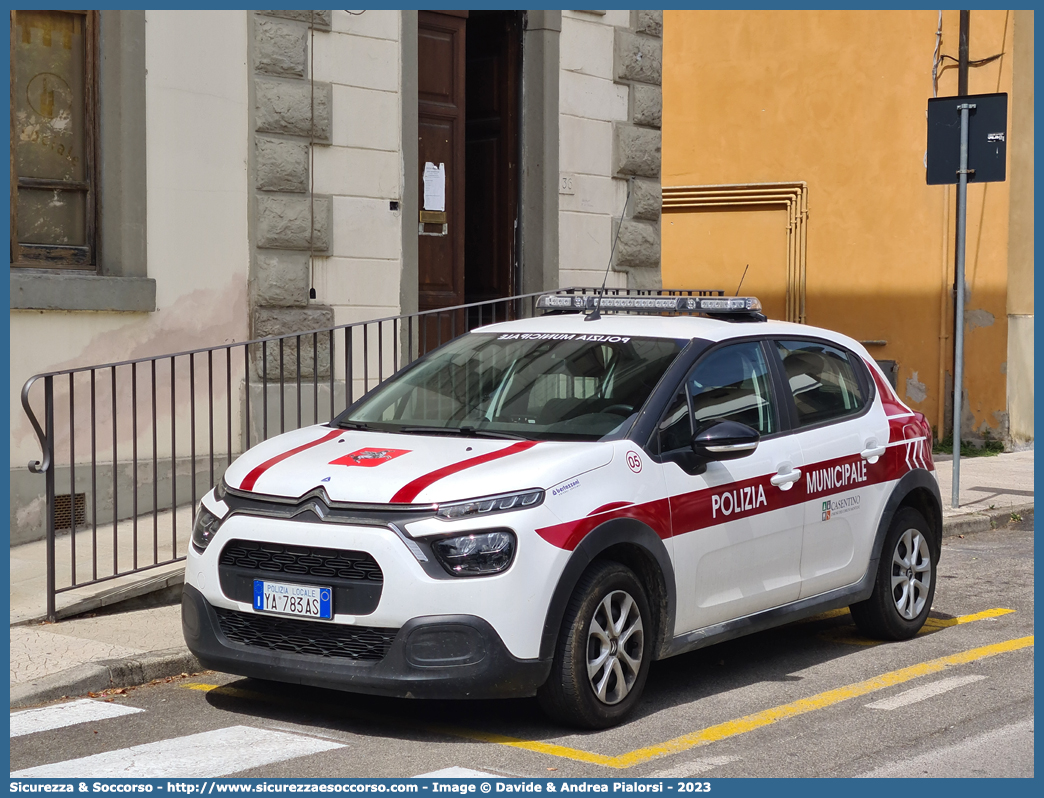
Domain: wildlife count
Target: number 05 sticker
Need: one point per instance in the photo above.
(634, 462)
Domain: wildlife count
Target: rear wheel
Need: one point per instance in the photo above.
(905, 584)
(604, 650)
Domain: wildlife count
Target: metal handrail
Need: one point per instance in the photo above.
(260, 357)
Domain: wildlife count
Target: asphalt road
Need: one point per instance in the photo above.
(808, 699)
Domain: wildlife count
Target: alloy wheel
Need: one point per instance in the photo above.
(911, 573)
(615, 645)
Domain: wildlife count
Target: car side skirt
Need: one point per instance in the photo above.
(777, 616)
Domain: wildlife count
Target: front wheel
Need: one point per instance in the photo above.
(905, 584)
(603, 652)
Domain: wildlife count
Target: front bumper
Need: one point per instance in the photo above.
(437, 656)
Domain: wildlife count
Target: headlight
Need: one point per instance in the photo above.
(204, 529)
(490, 504)
(477, 554)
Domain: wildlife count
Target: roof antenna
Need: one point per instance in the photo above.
(594, 315)
(744, 277)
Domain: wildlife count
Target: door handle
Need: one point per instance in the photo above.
(872, 451)
(785, 480)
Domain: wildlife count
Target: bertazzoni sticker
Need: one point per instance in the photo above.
(565, 486)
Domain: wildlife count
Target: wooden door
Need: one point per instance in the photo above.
(441, 49)
(493, 67)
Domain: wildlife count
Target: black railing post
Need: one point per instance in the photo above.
(49, 491)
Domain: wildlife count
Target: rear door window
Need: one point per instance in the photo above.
(823, 381)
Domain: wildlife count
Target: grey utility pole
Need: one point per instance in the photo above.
(958, 354)
(966, 144)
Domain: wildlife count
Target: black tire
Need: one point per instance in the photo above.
(899, 605)
(569, 695)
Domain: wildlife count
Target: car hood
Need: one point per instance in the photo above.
(379, 467)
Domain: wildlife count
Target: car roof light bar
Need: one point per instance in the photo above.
(731, 305)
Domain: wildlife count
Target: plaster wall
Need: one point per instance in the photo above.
(1020, 379)
(838, 99)
(1021, 238)
(197, 241)
(197, 252)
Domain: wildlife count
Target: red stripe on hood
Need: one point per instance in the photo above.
(251, 479)
(407, 493)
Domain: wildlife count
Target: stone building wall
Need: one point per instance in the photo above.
(611, 67)
(290, 116)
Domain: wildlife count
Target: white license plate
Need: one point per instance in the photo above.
(301, 601)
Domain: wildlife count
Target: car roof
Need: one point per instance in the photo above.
(682, 326)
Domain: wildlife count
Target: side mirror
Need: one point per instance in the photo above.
(724, 440)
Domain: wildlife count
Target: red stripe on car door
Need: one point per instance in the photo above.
(696, 510)
(407, 493)
(255, 474)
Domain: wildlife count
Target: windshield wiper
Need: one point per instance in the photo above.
(488, 433)
(465, 431)
(355, 425)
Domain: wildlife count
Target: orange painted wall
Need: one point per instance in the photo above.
(837, 99)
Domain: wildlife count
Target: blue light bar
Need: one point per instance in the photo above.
(650, 304)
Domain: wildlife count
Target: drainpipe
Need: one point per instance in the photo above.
(962, 55)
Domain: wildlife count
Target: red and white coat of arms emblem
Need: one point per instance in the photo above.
(369, 458)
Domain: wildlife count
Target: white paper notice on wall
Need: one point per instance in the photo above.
(434, 187)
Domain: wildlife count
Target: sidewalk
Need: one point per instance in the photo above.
(992, 488)
(121, 649)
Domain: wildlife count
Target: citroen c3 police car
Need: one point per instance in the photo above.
(545, 506)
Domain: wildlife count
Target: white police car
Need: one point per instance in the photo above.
(545, 506)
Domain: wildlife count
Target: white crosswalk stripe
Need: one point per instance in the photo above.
(31, 721)
(692, 768)
(457, 773)
(922, 693)
(203, 755)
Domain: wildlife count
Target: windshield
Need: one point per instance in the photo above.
(535, 386)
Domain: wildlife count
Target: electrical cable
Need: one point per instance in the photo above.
(935, 58)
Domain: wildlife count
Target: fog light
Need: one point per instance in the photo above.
(477, 554)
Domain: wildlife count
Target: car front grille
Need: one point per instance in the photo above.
(301, 561)
(360, 643)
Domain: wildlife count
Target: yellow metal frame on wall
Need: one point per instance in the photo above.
(792, 196)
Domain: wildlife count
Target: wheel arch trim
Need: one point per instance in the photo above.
(918, 481)
(614, 533)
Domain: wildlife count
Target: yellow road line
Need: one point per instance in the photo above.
(561, 751)
(825, 615)
(711, 734)
(942, 623)
(452, 731)
(820, 701)
(841, 635)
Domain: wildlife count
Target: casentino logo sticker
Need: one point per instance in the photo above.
(835, 507)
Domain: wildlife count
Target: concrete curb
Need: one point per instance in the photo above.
(971, 523)
(93, 677)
